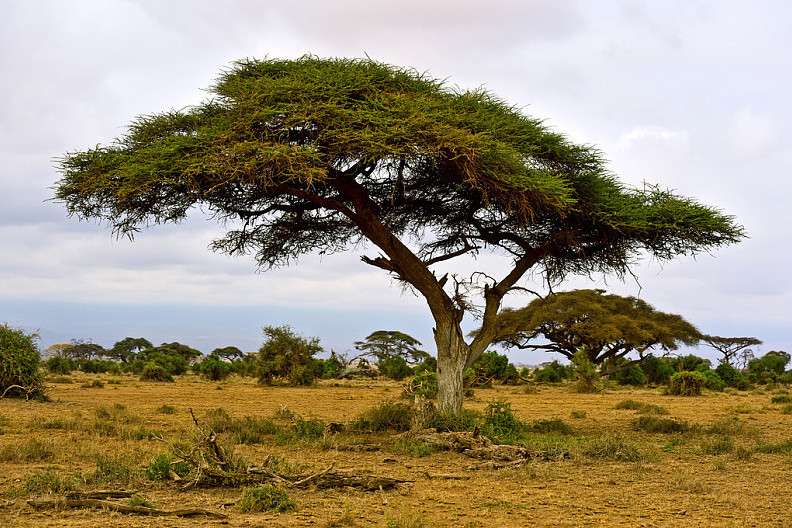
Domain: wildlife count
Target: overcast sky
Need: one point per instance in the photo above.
(691, 95)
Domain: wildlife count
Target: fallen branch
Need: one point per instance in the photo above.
(120, 508)
(474, 445)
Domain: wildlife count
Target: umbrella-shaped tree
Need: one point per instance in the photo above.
(305, 155)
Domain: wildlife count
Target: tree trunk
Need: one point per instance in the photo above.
(452, 356)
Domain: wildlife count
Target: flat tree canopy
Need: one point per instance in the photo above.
(605, 327)
(317, 155)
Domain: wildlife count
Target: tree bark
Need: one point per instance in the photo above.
(452, 357)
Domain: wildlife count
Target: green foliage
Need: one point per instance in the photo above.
(331, 367)
(213, 368)
(552, 425)
(553, 372)
(653, 424)
(308, 430)
(19, 364)
(154, 372)
(768, 368)
(657, 370)
(691, 363)
(686, 383)
(585, 372)
(717, 446)
(59, 365)
(51, 481)
(713, 381)
(424, 384)
(641, 407)
(166, 359)
(501, 423)
(732, 377)
(632, 375)
(388, 416)
(287, 355)
(384, 344)
(126, 349)
(266, 498)
(394, 367)
(98, 366)
(614, 447)
(607, 327)
(113, 470)
(160, 467)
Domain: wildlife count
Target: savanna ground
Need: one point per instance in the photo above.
(731, 466)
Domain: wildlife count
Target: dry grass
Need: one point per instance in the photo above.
(607, 473)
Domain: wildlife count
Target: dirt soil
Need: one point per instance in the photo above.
(679, 483)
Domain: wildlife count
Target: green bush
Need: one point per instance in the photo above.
(732, 377)
(19, 364)
(552, 425)
(656, 370)
(653, 424)
(98, 366)
(386, 417)
(501, 423)
(287, 355)
(686, 383)
(423, 384)
(213, 368)
(714, 382)
(59, 365)
(155, 372)
(553, 372)
(641, 407)
(632, 375)
(265, 498)
(160, 467)
(394, 367)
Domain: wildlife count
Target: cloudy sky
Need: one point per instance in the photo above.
(692, 95)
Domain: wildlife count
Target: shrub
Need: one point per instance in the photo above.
(394, 367)
(308, 430)
(553, 372)
(160, 467)
(781, 399)
(501, 423)
(59, 365)
(491, 365)
(99, 366)
(265, 498)
(717, 446)
(613, 447)
(154, 372)
(585, 372)
(553, 425)
(641, 407)
(423, 384)
(19, 364)
(213, 368)
(51, 481)
(691, 363)
(287, 355)
(386, 417)
(653, 424)
(632, 375)
(713, 381)
(732, 377)
(686, 383)
(656, 370)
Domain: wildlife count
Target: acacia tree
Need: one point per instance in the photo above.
(605, 328)
(731, 347)
(305, 155)
(389, 343)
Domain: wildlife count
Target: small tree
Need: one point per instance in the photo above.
(730, 347)
(585, 372)
(213, 368)
(768, 367)
(19, 363)
(230, 353)
(81, 350)
(388, 343)
(126, 349)
(287, 355)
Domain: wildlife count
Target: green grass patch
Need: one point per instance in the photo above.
(641, 407)
(654, 424)
(265, 498)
